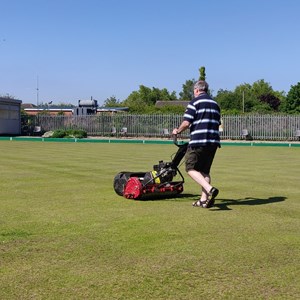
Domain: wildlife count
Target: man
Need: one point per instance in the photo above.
(202, 116)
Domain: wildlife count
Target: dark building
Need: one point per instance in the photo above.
(10, 116)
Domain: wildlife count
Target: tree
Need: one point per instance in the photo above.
(202, 73)
(271, 100)
(292, 104)
(112, 102)
(187, 90)
(164, 95)
(258, 97)
(62, 105)
(260, 87)
(7, 96)
(244, 97)
(147, 97)
(230, 102)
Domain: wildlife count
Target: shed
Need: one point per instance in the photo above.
(10, 116)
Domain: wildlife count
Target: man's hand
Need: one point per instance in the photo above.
(183, 126)
(175, 131)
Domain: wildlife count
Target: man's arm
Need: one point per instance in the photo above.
(183, 126)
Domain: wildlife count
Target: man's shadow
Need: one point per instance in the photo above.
(246, 201)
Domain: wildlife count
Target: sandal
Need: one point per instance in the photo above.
(199, 203)
(210, 201)
(213, 193)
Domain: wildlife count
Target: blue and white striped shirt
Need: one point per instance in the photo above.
(203, 113)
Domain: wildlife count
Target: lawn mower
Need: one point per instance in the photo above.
(154, 184)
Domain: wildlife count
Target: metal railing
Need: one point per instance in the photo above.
(259, 127)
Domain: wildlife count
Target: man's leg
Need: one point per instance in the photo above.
(202, 158)
(208, 194)
(203, 181)
(205, 194)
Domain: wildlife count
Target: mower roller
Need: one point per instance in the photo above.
(155, 184)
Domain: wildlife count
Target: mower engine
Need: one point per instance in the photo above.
(163, 172)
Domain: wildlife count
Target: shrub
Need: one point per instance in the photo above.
(59, 133)
(70, 133)
(76, 133)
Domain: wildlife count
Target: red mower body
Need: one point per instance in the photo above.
(134, 189)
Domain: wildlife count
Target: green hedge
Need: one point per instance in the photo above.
(70, 133)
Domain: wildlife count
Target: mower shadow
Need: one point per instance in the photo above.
(180, 197)
(246, 201)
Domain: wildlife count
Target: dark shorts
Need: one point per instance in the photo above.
(200, 158)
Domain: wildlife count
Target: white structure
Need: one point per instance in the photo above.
(10, 116)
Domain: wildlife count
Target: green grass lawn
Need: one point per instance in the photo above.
(65, 234)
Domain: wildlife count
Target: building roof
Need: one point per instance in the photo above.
(172, 103)
(53, 110)
(28, 105)
(10, 100)
(47, 109)
(112, 109)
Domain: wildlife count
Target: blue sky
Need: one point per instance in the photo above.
(77, 49)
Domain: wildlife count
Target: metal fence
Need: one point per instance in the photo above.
(259, 127)
(262, 127)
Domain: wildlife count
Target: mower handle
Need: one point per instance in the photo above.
(175, 139)
(182, 148)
